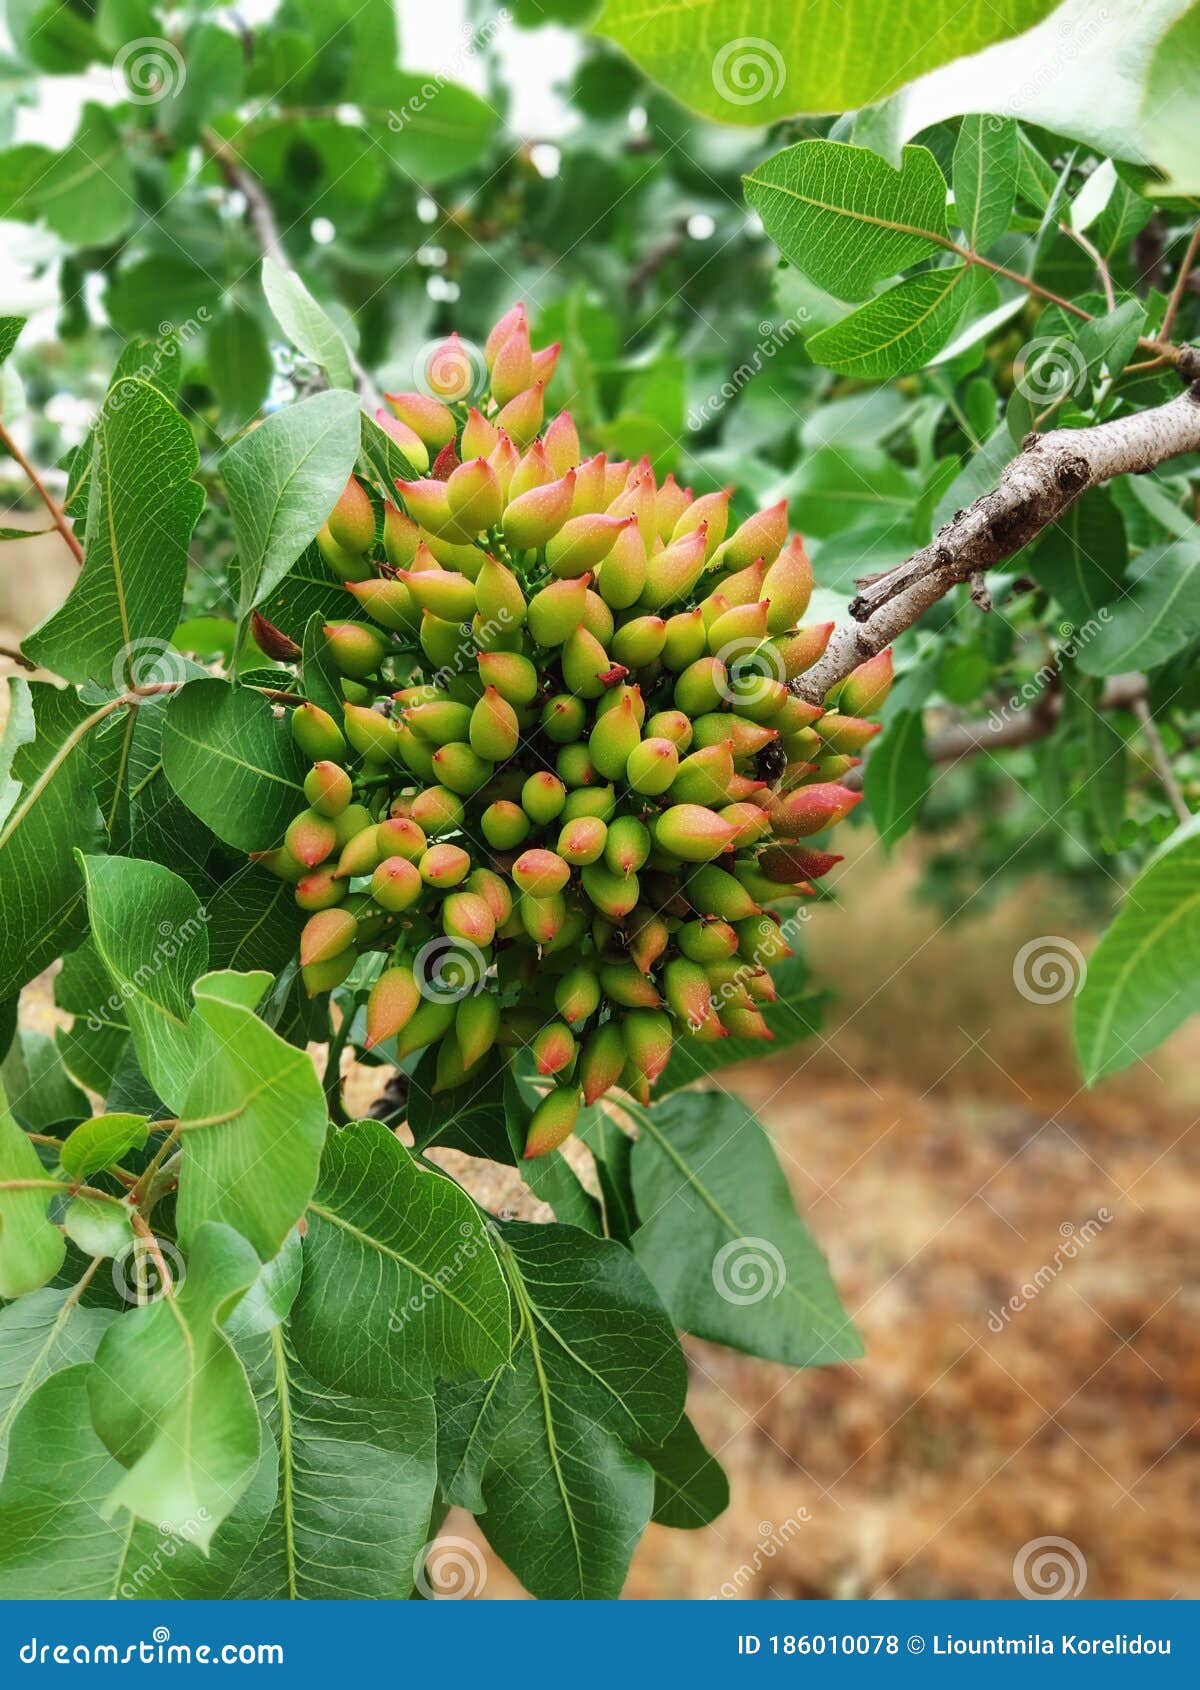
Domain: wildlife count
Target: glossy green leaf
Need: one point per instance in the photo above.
(31, 1247)
(356, 1487)
(899, 330)
(47, 812)
(255, 1119)
(721, 1240)
(431, 129)
(118, 619)
(97, 1228)
(1143, 979)
(690, 1487)
(99, 1142)
(41, 1093)
(40, 1334)
(163, 294)
(233, 762)
(1082, 558)
(985, 178)
(553, 1444)
(149, 930)
(309, 328)
(401, 1284)
(55, 1541)
(845, 217)
(171, 1400)
(790, 56)
(1155, 619)
(283, 479)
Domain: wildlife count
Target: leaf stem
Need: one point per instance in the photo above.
(57, 515)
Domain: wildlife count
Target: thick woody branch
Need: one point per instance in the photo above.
(1048, 475)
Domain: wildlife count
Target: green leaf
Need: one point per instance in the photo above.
(985, 178)
(253, 922)
(401, 1284)
(233, 763)
(596, 1375)
(239, 364)
(357, 1483)
(307, 326)
(802, 56)
(86, 195)
(899, 330)
(120, 614)
(10, 329)
(897, 776)
(160, 295)
(53, 36)
(840, 487)
(1154, 620)
(383, 458)
(100, 1142)
(254, 1119)
(283, 479)
(432, 130)
(54, 1540)
(1083, 556)
(171, 1400)
(98, 1228)
(148, 927)
(1169, 109)
(31, 1247)
(721, 1239)
(50, 813)
(470, 1117)
(1108, 342)
(209, 80)
(1142, 979)
(319, 674)
(41, 1093)
(690, 1487)
(795, 1015)
(845, 217)
(39, 1335)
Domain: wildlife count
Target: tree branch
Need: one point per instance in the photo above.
(1161, 761)
(57, 516)
(1047, 476)
(261, 216)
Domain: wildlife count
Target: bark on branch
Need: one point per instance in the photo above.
(1050, 472)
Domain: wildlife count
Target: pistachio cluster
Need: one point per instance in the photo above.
(571, 786)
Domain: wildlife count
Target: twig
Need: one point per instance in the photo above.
(261, 215)
(1048, 475)
(57, 516)
(1102, 270)
(1160, 759)
(1181, 280)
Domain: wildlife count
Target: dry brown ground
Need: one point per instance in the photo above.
(937, 1139)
